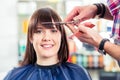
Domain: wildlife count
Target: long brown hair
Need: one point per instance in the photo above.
(39, 16)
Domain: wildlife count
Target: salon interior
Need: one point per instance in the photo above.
(14, 18)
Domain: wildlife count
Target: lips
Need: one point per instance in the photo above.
(47, 45)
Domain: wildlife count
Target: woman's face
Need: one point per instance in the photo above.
(46, 42)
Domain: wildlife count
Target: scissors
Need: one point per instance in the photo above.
(61, 23)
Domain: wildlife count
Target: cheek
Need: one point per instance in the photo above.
(35, 40)
(58, 39)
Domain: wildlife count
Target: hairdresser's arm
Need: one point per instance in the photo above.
(86, 12)
(92, 37)
(112, 49)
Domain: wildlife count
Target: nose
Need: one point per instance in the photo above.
(46, 36)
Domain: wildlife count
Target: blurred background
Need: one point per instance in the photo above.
(14, 17)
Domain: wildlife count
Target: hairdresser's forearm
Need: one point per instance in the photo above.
(112, 49)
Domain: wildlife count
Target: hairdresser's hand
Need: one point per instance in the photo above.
(82, 13)
(85, 33)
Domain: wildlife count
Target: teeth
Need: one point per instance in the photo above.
(47, 46)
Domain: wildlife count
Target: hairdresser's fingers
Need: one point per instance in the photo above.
(72, 14)
(72, 28)
(80, 17)
(77, 34)
(81, 29)
(88, 24)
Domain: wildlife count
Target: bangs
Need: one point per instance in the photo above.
(51, 25)
(47, 17)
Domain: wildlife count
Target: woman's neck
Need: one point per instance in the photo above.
(47, 61)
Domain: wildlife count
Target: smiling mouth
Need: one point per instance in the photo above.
(47, 45)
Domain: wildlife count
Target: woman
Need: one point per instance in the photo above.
(47, 51)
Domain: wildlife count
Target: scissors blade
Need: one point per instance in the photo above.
(61, 23)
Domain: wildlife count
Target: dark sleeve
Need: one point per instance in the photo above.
(78, 72)
(7, 77)
(84, 73)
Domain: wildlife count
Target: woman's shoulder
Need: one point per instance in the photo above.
(21, 69)
(16, 71)
(77, 70)
(74, 66)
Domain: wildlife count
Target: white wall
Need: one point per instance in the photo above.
(8, 35)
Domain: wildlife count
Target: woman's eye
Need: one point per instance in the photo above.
(38, 31)
(53, 30)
